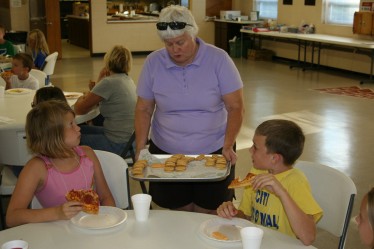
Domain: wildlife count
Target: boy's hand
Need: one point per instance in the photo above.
(227, 210)
(269, 182)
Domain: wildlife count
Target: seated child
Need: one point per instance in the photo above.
(279, 197)
(6, 47)
(365, 219)
(21, 78)
(48, 93)
(59, 165)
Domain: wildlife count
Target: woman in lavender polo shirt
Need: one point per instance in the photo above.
(190, 98)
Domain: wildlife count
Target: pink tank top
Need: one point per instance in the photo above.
(57, 184)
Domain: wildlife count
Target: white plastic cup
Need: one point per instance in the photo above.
(141, 203)
(251, 237)
(15, 244)
(2, 91)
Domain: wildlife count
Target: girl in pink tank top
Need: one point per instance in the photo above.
(60, 165)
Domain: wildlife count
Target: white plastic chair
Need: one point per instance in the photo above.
(49, 65)
(40, 76)
(335, 192)
(116, 174)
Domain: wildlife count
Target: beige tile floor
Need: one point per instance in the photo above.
(339, 129)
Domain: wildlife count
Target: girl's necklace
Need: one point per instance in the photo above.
(62, 179)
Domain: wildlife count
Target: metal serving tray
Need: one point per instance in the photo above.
(196, 171)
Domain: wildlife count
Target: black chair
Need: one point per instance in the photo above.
(129, 154)
(129, 151)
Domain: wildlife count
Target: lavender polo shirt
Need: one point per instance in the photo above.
(190, 115)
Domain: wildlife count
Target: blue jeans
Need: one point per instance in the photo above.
(94, 137)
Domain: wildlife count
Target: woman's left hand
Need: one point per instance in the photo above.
(230, 155)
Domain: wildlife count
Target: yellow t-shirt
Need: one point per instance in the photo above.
(266, 209)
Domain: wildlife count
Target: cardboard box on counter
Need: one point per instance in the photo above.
(260, 54)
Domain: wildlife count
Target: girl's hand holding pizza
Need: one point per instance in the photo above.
(69, 209)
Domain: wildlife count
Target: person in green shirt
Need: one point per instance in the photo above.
(6, 47)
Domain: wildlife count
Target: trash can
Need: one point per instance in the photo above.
(235, 47)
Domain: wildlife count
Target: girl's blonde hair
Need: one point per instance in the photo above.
(45, 127)
(40, 42)
(118, 60)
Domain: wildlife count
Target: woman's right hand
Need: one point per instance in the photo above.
(227, 210)
(69, 209)
(91, 84)
(103, 73)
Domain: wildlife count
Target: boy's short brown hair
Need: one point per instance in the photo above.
(283, 137)
(26, 60)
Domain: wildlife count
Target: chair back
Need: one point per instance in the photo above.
(40, 76)
(128, 152)
(116, 174)
(49, 64)
(335, 192)
(35, 204)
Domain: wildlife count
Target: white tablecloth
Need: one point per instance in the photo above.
(164, 229)
(13, 112)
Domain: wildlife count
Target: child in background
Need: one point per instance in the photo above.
(279, 197)
(48, 93)
(365, 219)
(60, 165)
(21, 66)
(6, 47)
(38, 47)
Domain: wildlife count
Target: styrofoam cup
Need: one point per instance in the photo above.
(251, 237)
(15, 244)
(141, 203)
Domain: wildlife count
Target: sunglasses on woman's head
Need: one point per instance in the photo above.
(172, 25)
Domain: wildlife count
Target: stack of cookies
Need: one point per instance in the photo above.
(138, 168)
(221, 162)
(177, 162)
(217, 161)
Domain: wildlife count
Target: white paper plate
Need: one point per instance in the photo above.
(230, 228)
(18, 91)
(108, 217)
(72, 95)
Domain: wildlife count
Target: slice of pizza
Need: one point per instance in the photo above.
(88, 198)
(237, 183)
(219, 236)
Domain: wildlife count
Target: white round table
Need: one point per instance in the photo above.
(13, 112)
(164, 229)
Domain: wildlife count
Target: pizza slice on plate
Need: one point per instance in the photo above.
(237, 183)
(88, 198)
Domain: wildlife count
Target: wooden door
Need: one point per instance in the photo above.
(53, 28)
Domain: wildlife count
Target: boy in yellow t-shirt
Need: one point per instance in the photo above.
(279, 197)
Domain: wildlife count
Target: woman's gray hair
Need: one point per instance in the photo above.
(177, 13)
